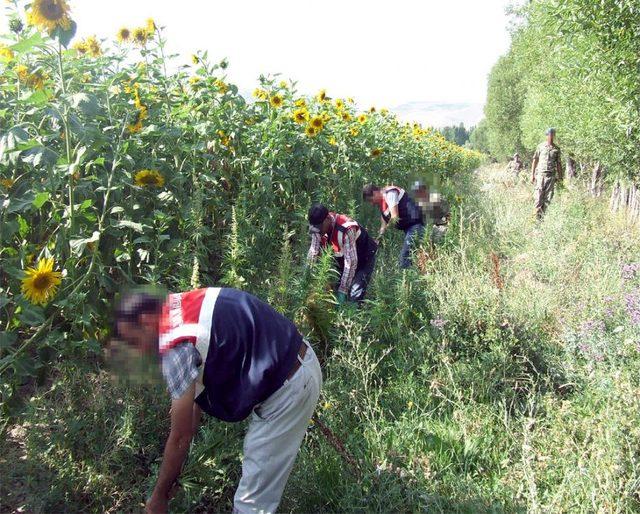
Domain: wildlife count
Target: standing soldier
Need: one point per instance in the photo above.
(545, 170)
(227, 353)
(397, 208)
(353, 249)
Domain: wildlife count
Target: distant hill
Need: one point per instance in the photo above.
(439, 114)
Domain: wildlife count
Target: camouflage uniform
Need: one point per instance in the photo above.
(515, 166)
(548, 158)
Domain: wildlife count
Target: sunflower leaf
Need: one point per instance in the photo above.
(7, 339)
(65, 36)
(41, 199)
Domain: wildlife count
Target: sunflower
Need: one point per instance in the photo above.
(7, 183)
(276, 101)
(80, 47)
(6, 54)
(93, 46)
(339, 104)
(321, 96)
(300, 102)
(135, 128)
(372, 109)
(384, 111)
(300, 115)
(49, 15)
(351, 100)
(317, 122)
(260, 93)
(354, 131)
(346, 116)
(194, 80)
(140, 36)
(151, 27)
(222, 87)
(362, 119)
(376, 152)
(311, 131)
(195, 59)
(39, 284)
(123, 35)
(149, 178)
(283, 84)
(332, 141)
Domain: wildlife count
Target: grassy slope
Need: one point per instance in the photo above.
(527, 400)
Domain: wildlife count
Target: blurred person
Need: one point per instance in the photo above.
(435, 209)
(546, 170)
(515, 165)
(353, 249)
(227, 353)
(396, 208)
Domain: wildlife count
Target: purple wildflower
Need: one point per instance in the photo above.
(632, 301)
(629, 271)
(438, 323)
(592, 325)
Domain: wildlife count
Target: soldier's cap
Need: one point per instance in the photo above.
(317, 214)
(550, 130)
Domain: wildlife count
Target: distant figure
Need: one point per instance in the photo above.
(435, 209)
(515, 165)
(398, 209)
(353, 249)
(545, 170)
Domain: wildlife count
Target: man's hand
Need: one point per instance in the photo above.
(157, 505)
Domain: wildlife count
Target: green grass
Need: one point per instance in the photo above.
(514, 406)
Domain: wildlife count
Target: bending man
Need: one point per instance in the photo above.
(354, 250)
(397, 208)
(229, 354)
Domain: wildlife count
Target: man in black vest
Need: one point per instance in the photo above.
(397, 208)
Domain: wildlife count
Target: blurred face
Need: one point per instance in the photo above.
(326, 225)
(550, 137)
(143, 334)
(375, 198)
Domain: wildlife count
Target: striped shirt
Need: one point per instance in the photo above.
(349, 252)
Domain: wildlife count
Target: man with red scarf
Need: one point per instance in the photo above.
(354, 250)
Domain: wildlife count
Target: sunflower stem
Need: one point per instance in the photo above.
(65, 122)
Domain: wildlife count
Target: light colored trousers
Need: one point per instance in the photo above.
(274, 436)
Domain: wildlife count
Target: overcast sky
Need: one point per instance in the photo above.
(383, 53)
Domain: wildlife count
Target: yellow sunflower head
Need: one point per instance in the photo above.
(339, 104)
(221, 86)
(195, 59)
(276, 101)
(300, 115)
(372, 109)
(311, 131)
(300, 102)
(317, 122)
(93, 46)
(151, 27)
(333, 141)
(7, 183)
(135, 127)
(354, 131)
(283, 84)
(362, 119)
(140, 36)
(80, 47)
(376, 152)
(346, 116)
(321, 96)
(384, 111)
(40, 283)
(124, 35)
(49, 15)
(149, 178)
(261, 94)
(6, 54)
(194, 80)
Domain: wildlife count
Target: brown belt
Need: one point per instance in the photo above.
(296, 365)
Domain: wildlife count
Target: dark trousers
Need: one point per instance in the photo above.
(363, 273)
(412, 238)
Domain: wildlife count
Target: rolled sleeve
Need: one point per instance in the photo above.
(180, 368)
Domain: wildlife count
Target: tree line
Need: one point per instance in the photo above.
(573, 65)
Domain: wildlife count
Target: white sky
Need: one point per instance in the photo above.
(383, 53)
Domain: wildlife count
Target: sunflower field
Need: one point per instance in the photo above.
(114, 171)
